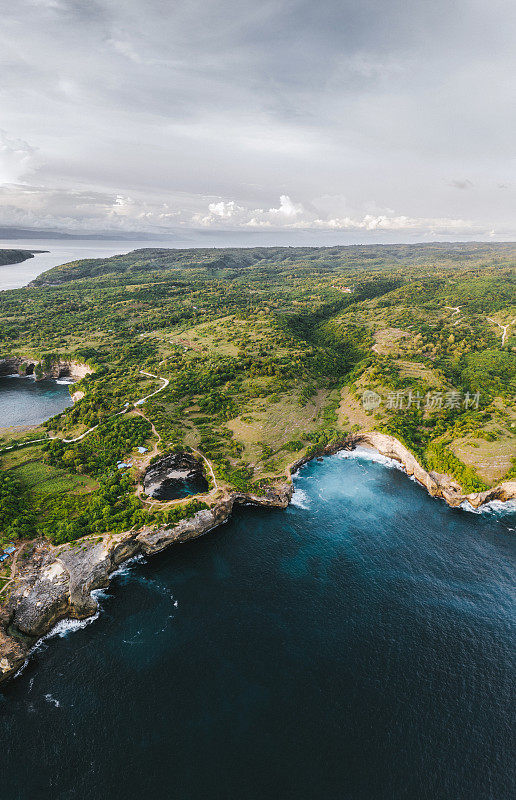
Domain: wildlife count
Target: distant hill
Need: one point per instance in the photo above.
(120, 236)
(16, 256)
(229, 261)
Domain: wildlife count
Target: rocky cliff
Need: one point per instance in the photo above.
(437, 484)
(57, 582)
(174, 470)
(60, 368)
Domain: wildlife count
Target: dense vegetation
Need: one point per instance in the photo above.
(15, 256)
(267, 352)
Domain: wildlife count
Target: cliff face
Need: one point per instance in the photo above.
(57, 582)
(437, 484)
(58, 369)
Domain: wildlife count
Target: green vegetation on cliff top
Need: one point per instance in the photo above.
(267, 352)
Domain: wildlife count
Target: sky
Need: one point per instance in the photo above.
(350, 120)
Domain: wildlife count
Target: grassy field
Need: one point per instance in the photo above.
(37, 477)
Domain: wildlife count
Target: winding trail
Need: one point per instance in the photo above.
(145, 463)
(456, 310)
(13, 567)
(166, 381)
(503, 327)
(139, 402)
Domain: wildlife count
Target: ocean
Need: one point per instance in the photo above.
(357, 646)
(14, 276)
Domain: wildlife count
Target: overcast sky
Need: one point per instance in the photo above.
(379, 120)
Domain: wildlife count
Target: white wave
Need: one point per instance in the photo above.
(300, 499)
(493, 507)
(66, 626)
(367, 454)
(50, 699)
(61, 629)
(100, 594)
(125, 568)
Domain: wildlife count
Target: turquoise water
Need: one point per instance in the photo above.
(24, 401)
(175, 489)
(358, 646)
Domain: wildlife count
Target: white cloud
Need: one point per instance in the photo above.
(293, 216)
(17, 158)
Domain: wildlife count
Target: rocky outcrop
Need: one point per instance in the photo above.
(57, 582)
(60, 368)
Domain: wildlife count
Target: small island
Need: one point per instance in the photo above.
(206, 377)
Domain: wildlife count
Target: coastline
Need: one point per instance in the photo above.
(59, 368)
(57, 582)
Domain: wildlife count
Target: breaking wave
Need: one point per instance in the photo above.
(300, 499)
(367, 454)
(493, 507)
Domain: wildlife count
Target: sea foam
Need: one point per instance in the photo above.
(300, 499)
(366, 454)
(492, 507)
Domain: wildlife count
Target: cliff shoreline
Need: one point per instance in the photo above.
(56, 582)
(59, 368)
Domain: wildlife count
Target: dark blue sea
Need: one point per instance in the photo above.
(358, 646)
(24, 401)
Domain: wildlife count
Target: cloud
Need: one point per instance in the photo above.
(462, 184)
(17, 159)
(197, 113)
(290, 215)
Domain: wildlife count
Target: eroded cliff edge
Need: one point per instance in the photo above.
(437, 484)
(56, 368)
(57, 582)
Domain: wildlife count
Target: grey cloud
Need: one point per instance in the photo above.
(462, 184)
(181, 105)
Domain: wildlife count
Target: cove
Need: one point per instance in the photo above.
(24, 401)
(357, 645)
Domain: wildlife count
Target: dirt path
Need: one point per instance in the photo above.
(148, 458)
(456, 310)
(504, 328)
(146, 461)
(139, 402)
(13, 566)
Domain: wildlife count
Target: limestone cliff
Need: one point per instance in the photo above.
(60, 368)
(437, 484)
(57, 582)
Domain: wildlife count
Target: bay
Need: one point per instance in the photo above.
(25, 401)
(357, 646)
